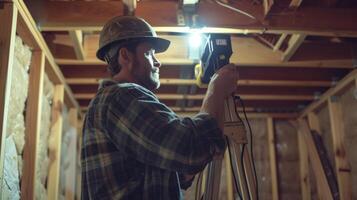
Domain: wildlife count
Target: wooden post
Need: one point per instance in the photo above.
(272, 158)
(228, 176)
(33, 120)
(78, 164)
(343, 169)
(315, 160)
(304, 168)
(8, 20)
(55, 143)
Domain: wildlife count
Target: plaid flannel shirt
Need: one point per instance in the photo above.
(134, 147)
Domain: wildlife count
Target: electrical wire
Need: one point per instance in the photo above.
(235, 9)
(251, 144)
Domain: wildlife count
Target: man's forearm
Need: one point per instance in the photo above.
(213, 104)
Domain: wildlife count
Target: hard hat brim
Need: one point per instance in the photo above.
(159, 44)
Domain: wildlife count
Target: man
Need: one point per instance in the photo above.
(135, 147)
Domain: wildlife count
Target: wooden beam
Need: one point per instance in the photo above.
(341, 86)
(267, 4)
(343, 168)
(33, 124)
(294, 43)
(308, 20)
(172, 81)
(54, 144)
(77, 39)
(280, 41)
(272, 158)
(51, 68)
(8, 20)
(315, 160)
(201, 96)
(304, 168)
(245, 49)
(295, 3)
(314, 122)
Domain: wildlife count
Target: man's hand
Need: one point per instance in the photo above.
(224, 81)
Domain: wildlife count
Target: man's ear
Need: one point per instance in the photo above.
(126, 58)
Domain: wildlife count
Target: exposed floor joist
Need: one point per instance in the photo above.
(310, 21)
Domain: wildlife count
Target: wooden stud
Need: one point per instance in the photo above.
(340, 87)
(33, 125)
(54, 144)
(315, 160)
(272, 158)
(8, 20)
(72, 168)
(314, 122)
(77, 39)
(294, 43)
(304, 168)
(343, 169)
(229, 179)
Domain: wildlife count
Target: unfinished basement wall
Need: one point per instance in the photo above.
(287, 154)
(349, 115)
(15, 130)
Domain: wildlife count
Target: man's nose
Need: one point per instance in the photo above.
(157, 63)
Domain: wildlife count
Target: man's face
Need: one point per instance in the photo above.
(146, 66)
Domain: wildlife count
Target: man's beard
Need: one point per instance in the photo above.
(144, 80)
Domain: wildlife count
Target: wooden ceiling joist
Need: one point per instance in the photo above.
(172, 81)
(201, 96)
(309, 20)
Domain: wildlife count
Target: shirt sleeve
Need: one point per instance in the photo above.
(149, 131)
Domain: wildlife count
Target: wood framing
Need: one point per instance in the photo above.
(339, 88)
(229, 178)
(314, 158)
(308, 20)
(51, 68)
(304, 168)
(173, 81)
(77, 39)
(295, 41)
(267, 4)
(314, 122)
(295, 3)
(54, 145)
(272, 159)
(280, 41)
(343, 169)
(33, 124)
(201, 96)
(8, 20)
(72, 169)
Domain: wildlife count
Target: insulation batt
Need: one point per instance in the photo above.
(15, 129)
